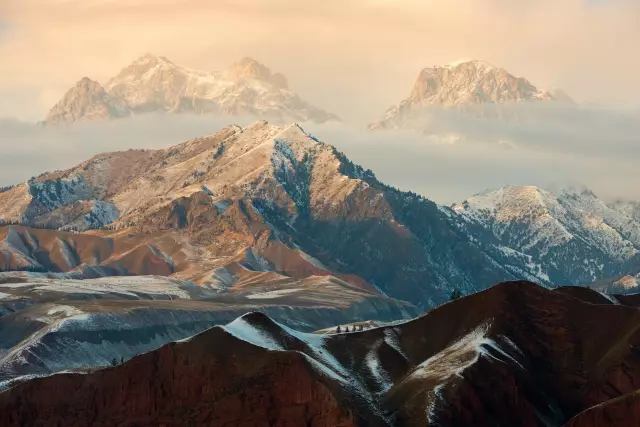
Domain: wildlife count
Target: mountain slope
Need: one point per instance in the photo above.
(87, 101)
(269, 193)
(292, 207)
(575, 237)
(55, 322)
(628, 208)
(466, 86)
(515, 354)
(154, 84)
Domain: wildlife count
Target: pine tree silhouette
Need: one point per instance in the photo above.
(455, 294)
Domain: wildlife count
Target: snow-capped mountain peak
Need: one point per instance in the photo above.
(143, 64)
(463, 85)
(87, 100)
(150, 58)
(557, 227)
(467, 61)
(249, 68)
(154, 84)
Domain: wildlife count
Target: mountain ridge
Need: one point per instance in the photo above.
(467, 86)
(514, 354)
(300, 206)
(270, 188)
(559, 228)
(154, 84)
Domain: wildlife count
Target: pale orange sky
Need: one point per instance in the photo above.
(354, 58)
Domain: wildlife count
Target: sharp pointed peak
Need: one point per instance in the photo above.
(247, 60)
(150, 58)
(248, 67)
(86, 84)
(86, 81)
(466, 61)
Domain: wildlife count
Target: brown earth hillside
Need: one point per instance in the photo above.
(515, 354)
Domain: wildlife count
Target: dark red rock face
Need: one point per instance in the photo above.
(622, 411)
(513, 355)
(195, 384)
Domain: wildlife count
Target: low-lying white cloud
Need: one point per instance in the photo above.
(28, 149)
(597, 148)
(463, 155)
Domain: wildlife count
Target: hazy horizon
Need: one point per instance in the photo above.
(549, 148)
(354, 59)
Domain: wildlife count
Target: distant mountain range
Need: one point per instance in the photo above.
(129, 251)
(513, 355)
(470, 86)
(153, 84)
(574, 237)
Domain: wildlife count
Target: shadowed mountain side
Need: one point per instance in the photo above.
(271, 200)
(215, 379)
(620, 411)
(515, 354)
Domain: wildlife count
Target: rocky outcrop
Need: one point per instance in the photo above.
(87, 101)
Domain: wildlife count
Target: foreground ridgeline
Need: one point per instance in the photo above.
(515, 354)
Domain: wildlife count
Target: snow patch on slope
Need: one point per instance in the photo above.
(245, 331)
(60, 192)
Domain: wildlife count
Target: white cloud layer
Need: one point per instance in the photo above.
(586, 146)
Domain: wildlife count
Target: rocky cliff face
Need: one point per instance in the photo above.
(153, 84)
(515, 354)
(87, 101)
(466, 86)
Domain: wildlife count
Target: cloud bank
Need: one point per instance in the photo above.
(548, 145)
(463, 155)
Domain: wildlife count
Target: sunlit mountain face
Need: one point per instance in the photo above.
(303, 214)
